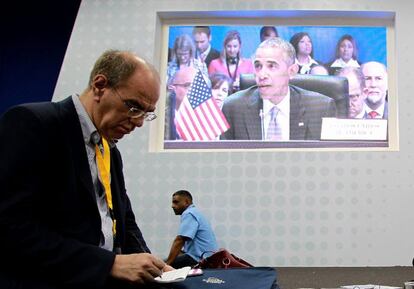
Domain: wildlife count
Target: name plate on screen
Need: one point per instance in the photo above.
(354, 129)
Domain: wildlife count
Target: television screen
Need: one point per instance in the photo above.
(227, 88)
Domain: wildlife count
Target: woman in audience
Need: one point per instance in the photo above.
(231, 62)
(267, 32)
(304, 53)
(183, 54)
(346, 54)
(220, 87)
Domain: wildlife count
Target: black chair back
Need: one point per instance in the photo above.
(336, 87)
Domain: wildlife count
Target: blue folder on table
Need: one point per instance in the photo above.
(231, 278)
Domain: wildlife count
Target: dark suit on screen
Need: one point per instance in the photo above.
(385, 115)
(49, 219)
(212, 54)
(170, 131)
(307, 108)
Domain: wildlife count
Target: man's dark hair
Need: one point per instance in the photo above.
(184, 193)
(202, 29)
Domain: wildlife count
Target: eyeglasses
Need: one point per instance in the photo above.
(135, 112)
(185, 85)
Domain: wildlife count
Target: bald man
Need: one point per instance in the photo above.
(70, 224)
(356, 86)
(376, 89)
(178, 89)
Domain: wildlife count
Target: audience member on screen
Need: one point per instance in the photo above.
(273, 109)
(220, 87)
(195, 236)
(356, 85)
(184, 55)
(376, 89)
(231, 62)
(202, 39)
(70, 224)
(319, 70)
(346, 54)
(177, 91)
(304, 52)
(267, 32)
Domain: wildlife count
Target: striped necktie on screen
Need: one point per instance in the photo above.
(274, 131)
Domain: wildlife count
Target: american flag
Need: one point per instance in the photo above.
(199, 117)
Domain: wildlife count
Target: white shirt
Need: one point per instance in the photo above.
(203, 56)
(283, 116)
(361, 114)
(91, 137)
(340, 63)
(305, 67)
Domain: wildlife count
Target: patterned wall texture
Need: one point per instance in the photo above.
(274, 209)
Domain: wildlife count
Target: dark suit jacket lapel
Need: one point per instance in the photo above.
(75, 143)
(297, 112)
(385, 115)
(252, 116)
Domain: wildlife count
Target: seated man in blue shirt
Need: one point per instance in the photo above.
(195, 235)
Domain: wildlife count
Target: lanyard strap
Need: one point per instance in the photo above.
(103, 162)
(233, 77)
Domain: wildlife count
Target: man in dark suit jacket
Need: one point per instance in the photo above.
(202, 40)
(300, 112)
(57, 226)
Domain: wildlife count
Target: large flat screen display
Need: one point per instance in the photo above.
(276, 87)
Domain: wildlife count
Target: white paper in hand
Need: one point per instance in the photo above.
(173, 276)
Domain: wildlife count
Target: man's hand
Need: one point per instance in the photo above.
(137, 268)
(167, 268)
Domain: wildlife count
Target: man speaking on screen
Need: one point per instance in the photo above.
(272, 109)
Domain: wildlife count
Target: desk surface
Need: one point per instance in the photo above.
(334, 277)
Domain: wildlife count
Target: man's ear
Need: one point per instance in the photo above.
(99, 84)
(171, 87)
(187, 202)
(293, 70)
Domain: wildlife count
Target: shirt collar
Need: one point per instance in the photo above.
(379, 110)
(340, 63)
(189, 207)
(309, 63)
(283, 106)
(361, 114)
(305, 67)
(206, 52)
(89, 131)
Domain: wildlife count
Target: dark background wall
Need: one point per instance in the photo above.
(34, 37)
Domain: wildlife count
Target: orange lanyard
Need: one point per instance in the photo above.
(104, 167)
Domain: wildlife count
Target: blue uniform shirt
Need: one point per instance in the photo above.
(197, 228)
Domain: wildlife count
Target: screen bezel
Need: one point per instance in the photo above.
(274, 18)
